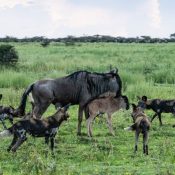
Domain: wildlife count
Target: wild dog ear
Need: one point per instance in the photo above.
(144, 98)
(65, 108)
(134, 107)
(0, 96)
(11, 109)
(139, 98)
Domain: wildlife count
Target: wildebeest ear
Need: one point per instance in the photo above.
(144, 98)
(134, 106)
(0, 96)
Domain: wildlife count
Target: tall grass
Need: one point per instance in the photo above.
(145, 69)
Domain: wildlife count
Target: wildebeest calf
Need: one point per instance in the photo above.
(107, 104)
(141, 125)
(158, 106)
(38, 128)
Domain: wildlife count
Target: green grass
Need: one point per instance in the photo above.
(145, 69)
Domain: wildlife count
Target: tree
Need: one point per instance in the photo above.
(8, 55)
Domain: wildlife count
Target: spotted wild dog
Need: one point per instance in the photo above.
(6, 112)
(158, 106)
(46, 127)
(141, 125)
(106, 103)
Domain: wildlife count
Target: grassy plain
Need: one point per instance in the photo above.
(145, 69)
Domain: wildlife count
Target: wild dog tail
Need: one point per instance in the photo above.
(144, 126)
(5, 133)
(130, 128)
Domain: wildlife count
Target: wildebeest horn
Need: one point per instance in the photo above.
(114, 71)
(0, 96)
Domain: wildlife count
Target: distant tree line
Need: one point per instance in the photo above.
(91, 39)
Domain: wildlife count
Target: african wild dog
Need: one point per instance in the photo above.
(38, 128)
(107, 104)
(6, 113)
(158, 106)
(141, 125)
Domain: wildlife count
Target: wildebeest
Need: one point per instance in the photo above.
(141, 125)
(158, 106)
(104, 104)
(36, 127)
(76, 88)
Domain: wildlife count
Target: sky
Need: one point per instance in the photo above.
(60, 18)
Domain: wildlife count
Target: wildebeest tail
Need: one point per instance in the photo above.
(21, 108)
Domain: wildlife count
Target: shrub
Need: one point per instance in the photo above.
(8, 55)
(45, 43)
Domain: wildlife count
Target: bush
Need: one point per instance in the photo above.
(45, 43)
(8, 55)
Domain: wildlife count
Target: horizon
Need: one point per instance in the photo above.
(62, 18)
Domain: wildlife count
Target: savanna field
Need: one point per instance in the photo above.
(145, 69)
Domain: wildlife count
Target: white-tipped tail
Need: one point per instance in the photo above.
(31, 100)
(5, 133)
(128, 128)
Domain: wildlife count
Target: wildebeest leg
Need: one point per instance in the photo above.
(52, 141)
(136, 140)
(153, 117)
(39, 109)
(110, 124)
(80, 117)
(160, 120)
(46, 140)
(89, 123)
(145, 143)
(12, 143)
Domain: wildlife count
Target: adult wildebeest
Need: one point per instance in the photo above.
(38, 128)
(141, 125)
(158, 106)
(76, 88)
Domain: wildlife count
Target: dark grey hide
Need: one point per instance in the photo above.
(77, 88)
